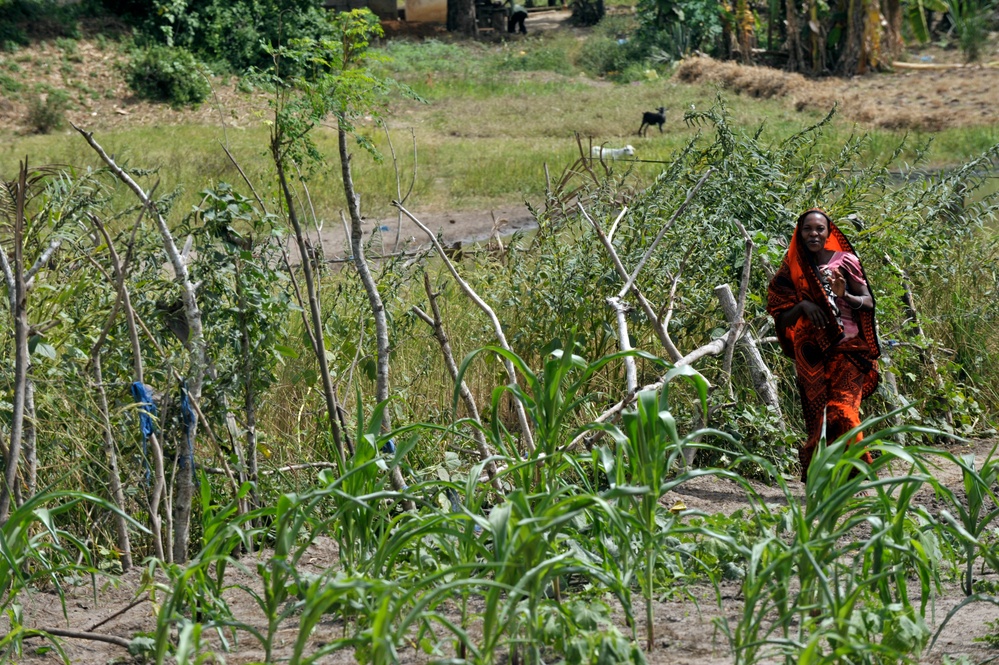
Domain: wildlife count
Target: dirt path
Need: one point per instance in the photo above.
(463, 227)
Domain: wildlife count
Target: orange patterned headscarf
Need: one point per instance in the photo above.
(796, 280)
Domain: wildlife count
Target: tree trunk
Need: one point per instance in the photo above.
(159, 473)
(114, 475)
(192, 315)
(587, 12)
(374, 298)
(21, 358)
(461, 17)
(894, 45)
(30, 440)
(795, 61)
(316, 313)
(851, 58)
(452, 367)
(763, 380)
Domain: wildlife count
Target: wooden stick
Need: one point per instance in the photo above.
(624, 343)
(497, 327)
(199, 359)
(485, 454)
(712, 348)
(80, 635)
(763, 380)
(660, 328)
(662, 232)
(739, 322)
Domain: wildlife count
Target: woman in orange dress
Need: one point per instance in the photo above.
(824, 314)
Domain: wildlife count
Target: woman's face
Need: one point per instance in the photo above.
(815, 232)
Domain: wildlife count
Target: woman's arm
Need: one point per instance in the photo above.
(854, 294)
(858, 297)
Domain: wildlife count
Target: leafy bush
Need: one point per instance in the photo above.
(47, 112)
(970, 21)
(679, 27)
(24, 20)
(549, 59)
(9, 84)
(614, 58)
(166, 74)
(228, 35)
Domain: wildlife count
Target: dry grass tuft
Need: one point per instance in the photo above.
(759, 82)
(927, 101)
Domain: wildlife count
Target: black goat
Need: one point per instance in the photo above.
(650, 118)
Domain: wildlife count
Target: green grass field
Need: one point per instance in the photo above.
(489, 117)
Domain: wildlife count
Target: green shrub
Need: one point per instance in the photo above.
(9, 84)
(545, 58)
(47, 112)
(166, 74)
(24, 20)
(607, 56)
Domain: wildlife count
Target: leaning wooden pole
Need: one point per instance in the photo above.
(659, 326)
(19, 313)
(315, 323)
(158, 485)
(192, 313)
(497, 326)
(374, 298)
(762, 377)
(114, 474)
(485, 454)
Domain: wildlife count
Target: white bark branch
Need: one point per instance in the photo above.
(659, 327)
(497, 327)
(199, 360)
(42, 260)
(624, 343)
(712, 348)
(662, 232)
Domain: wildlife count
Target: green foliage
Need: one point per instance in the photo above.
(975, 512)
(918, 14)
(24, 20)
(550, 59)
(47, 112)
(168, 74)
(992, 637)
(618, 58)
(232, 36)
(970, 19)
(10, 85)
(676, 28)
(38, 550)
(835, 574)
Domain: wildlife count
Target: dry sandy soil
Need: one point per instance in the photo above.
(685, 632)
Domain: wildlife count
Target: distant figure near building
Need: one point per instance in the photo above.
(517, 17)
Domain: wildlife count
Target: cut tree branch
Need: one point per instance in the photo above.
(497, 326)
(662, 232)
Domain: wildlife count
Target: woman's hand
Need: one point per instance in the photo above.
(805, 308)
(836, 282)
(814, 313)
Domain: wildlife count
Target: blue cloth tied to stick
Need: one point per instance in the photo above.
(147, 412)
